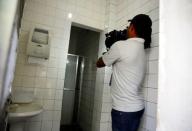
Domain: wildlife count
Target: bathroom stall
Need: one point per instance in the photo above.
(72, 90)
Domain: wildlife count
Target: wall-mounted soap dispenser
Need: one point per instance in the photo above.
(39, 43)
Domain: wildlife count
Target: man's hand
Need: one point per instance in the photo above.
(100, 63)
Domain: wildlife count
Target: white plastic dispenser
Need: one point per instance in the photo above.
(39, 43)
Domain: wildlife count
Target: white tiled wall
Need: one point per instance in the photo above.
(98, 90)
(116, 18)
(47, 79)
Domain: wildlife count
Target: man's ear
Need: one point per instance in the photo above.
(132, 28)
(133, 31)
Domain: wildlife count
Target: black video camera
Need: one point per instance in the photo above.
(114, 36)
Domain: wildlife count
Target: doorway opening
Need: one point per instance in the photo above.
(80, 77)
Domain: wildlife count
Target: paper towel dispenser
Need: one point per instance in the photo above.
(39, 43)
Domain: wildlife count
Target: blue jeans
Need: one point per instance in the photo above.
(126, 121)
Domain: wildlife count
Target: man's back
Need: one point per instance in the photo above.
(128, 73)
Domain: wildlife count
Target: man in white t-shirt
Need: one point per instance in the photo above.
(128, 61)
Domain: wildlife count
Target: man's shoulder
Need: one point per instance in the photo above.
(119, 43)
(135, 40)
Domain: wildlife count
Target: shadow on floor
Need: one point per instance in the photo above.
(70, 128)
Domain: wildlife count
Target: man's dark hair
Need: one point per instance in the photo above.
(142, 24)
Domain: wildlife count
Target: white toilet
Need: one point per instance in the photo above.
(22, 109)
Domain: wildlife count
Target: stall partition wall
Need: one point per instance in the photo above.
(72, 90)
(10, 19)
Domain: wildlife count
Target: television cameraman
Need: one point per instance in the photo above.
(128, 60)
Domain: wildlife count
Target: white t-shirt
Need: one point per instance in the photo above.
(128, 60)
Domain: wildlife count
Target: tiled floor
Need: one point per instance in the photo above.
(70, 128)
